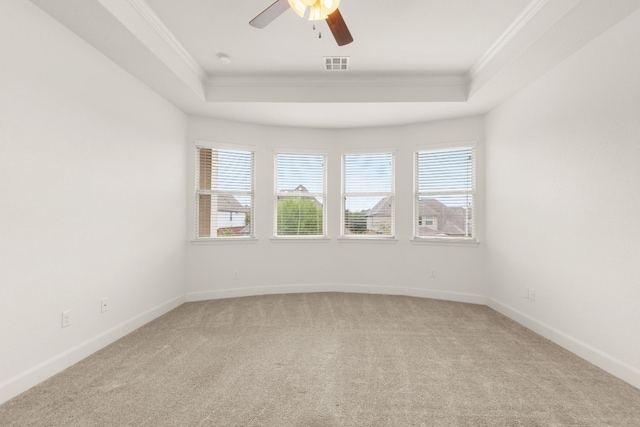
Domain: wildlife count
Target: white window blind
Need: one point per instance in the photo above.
(368, 195)
(300, 195)
(444, 193)
(224, 193)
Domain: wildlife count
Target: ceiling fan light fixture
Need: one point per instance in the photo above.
(321, 9)
(318, 9)
(315, 14)
(300, 6)
(329, 6)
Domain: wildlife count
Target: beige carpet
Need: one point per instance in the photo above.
(329, 360)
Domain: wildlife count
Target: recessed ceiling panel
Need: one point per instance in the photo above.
(426, 36)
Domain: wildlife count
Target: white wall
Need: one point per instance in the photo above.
(94, 174)
(563, 202)
(401, 267)
(92, 185)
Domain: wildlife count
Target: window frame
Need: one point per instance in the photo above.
(344, 195)
(472, 239)
(323, 195)
(199, 191)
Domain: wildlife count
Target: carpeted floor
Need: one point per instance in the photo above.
(329, 359)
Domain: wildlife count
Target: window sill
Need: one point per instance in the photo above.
(444, 241)
(367, 240)
(224, 240)
(293, 239)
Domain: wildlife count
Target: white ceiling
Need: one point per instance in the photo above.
(410, 61)
(416, 36)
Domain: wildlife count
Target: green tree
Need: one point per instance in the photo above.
(299, 216)
(356, 222)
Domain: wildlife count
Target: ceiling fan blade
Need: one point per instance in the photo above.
(267, 16)
(339, 28)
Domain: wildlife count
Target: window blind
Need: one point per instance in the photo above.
(224, 193)
(445, 191)
(300, 194)
(368, 197)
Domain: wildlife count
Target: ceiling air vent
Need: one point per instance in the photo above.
(336, 63)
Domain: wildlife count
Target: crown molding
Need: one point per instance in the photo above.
(516, 26)
(331, 80)
(337, 89)
(167, 36)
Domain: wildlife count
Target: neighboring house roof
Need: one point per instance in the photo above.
(301, 190)
(450, 228)
(432, 207)
(382, 208)
(228, 203)
(450, 221)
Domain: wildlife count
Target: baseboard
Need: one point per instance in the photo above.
(597, 357)
(336, 287)
(33, 376)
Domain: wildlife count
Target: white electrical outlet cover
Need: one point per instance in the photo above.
(66, 318)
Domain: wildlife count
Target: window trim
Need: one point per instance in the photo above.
(446, 146)
(344, 195)
(213, 145)
(301, 238)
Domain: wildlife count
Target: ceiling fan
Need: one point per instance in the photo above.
(318, 10)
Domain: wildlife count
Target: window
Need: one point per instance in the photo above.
(224, 193)
(300, 195)
(368, 203)
(426, 220)
(444, 193)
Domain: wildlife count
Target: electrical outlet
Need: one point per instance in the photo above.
(104, 305)
(529, 293)
(66, 318)
(434, 273)
(236, 274)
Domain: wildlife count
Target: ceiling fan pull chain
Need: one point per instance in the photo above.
(319, 32)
